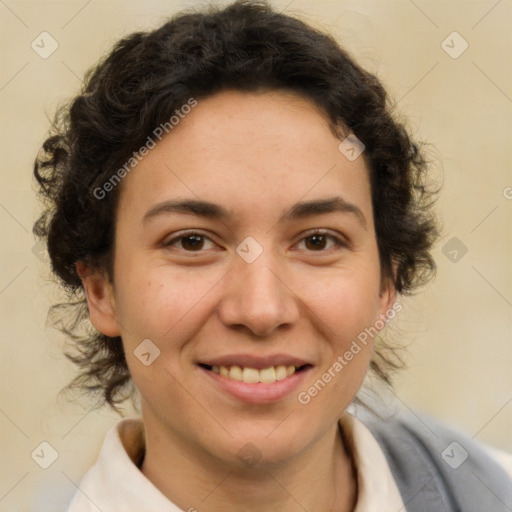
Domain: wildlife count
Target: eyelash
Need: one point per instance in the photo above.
(338, 242)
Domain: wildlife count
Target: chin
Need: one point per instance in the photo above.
(268, 446)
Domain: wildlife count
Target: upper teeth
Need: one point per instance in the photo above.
(252, 375)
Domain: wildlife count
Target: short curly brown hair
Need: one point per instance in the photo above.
(244, 46)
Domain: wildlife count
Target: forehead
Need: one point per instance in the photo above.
(235, 123)
(249, 150)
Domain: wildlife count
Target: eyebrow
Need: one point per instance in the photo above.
(215, 211)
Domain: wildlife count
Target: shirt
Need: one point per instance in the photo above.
(115, 483)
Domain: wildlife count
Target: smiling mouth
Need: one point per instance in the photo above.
(254, 376)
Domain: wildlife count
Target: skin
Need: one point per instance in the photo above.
(256, 154)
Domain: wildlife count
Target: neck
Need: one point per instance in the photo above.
(320, 478)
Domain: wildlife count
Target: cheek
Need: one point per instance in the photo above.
(151, 302)
(347, 311)
(345, 302)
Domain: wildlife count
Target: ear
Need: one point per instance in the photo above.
(387, 295)
(100, 300)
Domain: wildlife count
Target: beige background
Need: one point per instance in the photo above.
(459, 329)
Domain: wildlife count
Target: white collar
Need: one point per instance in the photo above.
(115, 483)
(377, 489)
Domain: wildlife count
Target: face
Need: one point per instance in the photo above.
(245, 242)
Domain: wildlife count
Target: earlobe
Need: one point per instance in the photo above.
(387, 296)
(100, 300)
(387, 289)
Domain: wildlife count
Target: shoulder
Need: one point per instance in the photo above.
(115, 482)
(438, 465)
(504, 459)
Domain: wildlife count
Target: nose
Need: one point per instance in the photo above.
(257, 298)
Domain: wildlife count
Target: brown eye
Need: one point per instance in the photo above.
(316, 242)
(321, 242)
(190, 242)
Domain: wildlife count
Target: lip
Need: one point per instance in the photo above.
(257, 362)
(257, 393)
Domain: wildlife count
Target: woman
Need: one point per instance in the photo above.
(238, 211)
